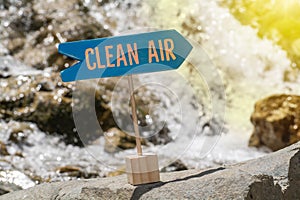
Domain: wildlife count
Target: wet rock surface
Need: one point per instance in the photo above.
(116, 140)
(262, 178)
(161, 137)
(177, 165)
(34, 33)
(276, 121)
(3, 149)
(13, 180)
(8, 187)
(42, 99)
(45, 100)
(76, 171)
(30, 157)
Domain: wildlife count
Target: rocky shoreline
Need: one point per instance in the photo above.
(275, 176)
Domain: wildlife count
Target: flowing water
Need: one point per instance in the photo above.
(250, 67)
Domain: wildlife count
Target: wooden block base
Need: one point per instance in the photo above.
(142, 169)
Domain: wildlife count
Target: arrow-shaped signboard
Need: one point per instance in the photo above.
(125, 55)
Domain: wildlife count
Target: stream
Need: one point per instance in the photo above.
(242, 61)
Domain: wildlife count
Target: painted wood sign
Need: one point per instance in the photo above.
(125, 55)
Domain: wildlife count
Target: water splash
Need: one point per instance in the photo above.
(246, 62)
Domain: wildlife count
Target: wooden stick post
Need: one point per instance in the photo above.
(140, 168)
(134, 117)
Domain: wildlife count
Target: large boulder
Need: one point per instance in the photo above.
(276, 121)
(47, 101)
(275, 176)
(33, 29)
(42, 99)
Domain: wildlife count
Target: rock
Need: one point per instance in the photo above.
(45, 100)
(276, 121)
(67, 169)
(116, 140)
(262, 178)
(26, 98)
(33, 34)
(3, 149)
(8, 187)
(14, 180)
(3, 50)
(15, 137)
(177, 165)
(74, 171)
(7, 67)
(121, 170)
(264, 187)
(293, 191)
(20, 133)
(23, 100)
(162, 137)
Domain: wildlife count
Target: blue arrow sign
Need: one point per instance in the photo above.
(124, 55)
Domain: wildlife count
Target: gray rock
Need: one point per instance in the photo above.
(117, 140)
(9, 66)
(15, 180)
(263, 188)
(8, 187)
(262, 178)
(32, 33)
(162, 137)
(3, 50)
(293, 191)
(177, 165)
